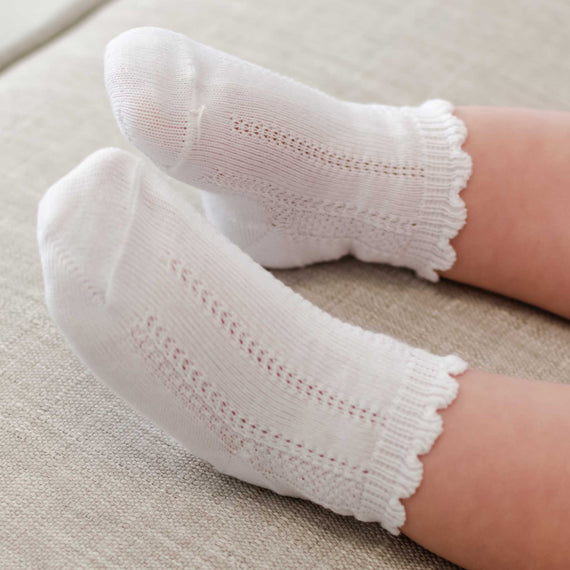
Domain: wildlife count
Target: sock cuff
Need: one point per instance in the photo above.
(447, 169)
(411, 426)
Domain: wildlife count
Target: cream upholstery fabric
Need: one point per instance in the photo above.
(26, 24)
(87, 483)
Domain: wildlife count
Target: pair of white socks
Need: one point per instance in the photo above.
(194, 333)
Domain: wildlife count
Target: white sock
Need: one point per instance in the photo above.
(247, 374)
(292, 175)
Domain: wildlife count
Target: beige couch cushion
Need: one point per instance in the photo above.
(86, 482)
(26, 24)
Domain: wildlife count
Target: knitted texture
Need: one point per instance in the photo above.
(290, 174)
(247, 374)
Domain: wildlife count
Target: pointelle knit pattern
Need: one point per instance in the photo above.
(247, 374)
(289, 173)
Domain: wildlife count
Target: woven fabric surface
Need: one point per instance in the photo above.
(26, 24)
(88, 483)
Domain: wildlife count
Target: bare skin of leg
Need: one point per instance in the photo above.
(516, 240)
(496, 487)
